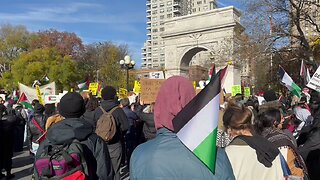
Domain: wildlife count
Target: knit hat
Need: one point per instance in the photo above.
(108, 93)
(38, 108)
(270, 95)
(71, 105)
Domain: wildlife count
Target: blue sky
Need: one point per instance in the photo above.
(119, 21)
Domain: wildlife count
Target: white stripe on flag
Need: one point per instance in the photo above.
(286, 79)
(201, 125)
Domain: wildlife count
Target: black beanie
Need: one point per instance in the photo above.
(38, 108)
(108, 93)
(270, 95)
(71, 105)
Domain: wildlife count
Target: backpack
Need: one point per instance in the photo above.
(65, 162)
(106, 125)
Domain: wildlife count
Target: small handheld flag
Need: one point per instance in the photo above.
(197, 123)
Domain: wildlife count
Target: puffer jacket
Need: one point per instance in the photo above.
(33, 131)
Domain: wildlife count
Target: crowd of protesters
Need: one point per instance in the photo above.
(277, 137)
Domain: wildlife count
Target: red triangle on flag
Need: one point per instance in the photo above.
(23, 98)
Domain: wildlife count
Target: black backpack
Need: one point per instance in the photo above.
(66, 162)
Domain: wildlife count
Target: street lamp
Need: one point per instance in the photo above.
(127, 64)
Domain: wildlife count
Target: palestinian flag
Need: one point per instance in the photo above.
(84, 85)
(196, 124)
(288, 82)
(23, 100)
(304, 73)
(15, 95)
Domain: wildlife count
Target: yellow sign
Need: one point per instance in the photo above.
(236, 89)
(93, 88)
(194, 84)
(137, 87)
(123, 93)
(39, 95)
(247, 92)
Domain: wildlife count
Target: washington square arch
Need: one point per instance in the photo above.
(213, 31)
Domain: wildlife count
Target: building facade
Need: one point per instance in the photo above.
(158, 11)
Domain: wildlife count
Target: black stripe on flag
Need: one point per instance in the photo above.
(198, 102)
(281, 72)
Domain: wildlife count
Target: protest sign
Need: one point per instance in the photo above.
(50, 99)
(236, 89)
(150, 89)
(247, 92)
(93, 88)
(123, 93)
(137, 87)
(314, 82)
(39, 95)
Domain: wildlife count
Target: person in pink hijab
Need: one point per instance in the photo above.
(165, 157)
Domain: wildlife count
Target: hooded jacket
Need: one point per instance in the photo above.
(97, 154)
(165, 157)
(119, 116)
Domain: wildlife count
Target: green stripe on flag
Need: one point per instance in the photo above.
(206, 151)
(26, 104)
(296, 90)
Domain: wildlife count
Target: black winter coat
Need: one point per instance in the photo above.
(33, 131)
(149, 129)
(310, 150)
(97, 154)
(119, 116)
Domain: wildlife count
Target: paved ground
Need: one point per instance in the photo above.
(23, 164)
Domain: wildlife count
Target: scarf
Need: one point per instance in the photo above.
(266, 151)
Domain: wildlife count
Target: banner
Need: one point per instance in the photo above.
(236, 89)
(31, 94)
(93, 88)
(314, 82)
(149, 89)
(247, 92)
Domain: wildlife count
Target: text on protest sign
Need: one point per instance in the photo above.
(314, 82)
(150, 89)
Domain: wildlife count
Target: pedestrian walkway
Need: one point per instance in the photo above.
(22, 165)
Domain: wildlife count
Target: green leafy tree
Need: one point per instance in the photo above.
(34, 65)
(104, 58)
(14, 40)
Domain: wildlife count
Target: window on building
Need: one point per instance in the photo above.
(169, 9)
(155, 37)
(169, 15)
(161, 4)
(169, 3)
(155, 60)
(155, 24)
(162, 10)
(205, 7)
(155, 18)
(154, 12)
(194, 10)
(155, 43)
(154, 6)
(199, 2)
(162, 17)
(161, 23)
(155, 30)
(162, 29)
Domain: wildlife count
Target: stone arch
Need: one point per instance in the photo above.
(188, 54)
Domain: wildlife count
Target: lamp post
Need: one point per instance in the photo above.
(127, 64)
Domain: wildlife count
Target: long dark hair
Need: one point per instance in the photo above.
(267, 119)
